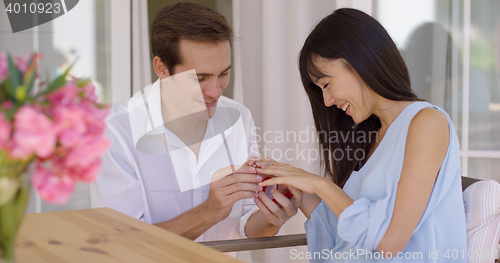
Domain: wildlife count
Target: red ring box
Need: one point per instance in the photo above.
(267, 190)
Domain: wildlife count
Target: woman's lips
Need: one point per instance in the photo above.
(345, 106)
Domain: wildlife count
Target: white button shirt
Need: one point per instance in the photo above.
(150, 174)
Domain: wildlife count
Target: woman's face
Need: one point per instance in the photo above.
(342, 87)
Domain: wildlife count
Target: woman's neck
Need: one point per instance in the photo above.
(388, 110)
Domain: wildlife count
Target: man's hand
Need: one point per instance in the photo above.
(278, 214)
(274, 214)
(228, 189)
(225, 190)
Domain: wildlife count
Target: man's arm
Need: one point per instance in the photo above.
(192, 223)
(258, 226)
(223, 194)
(117, 186)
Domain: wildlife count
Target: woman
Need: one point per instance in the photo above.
(398, 194)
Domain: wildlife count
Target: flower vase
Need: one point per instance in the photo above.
(14, 196)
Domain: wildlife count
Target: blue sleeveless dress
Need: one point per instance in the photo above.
(440, 235)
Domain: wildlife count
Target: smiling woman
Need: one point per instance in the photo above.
(390, 203)
(343, 88)
(351, 70)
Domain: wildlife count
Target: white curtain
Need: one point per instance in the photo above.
(269, 36)
(141, 62)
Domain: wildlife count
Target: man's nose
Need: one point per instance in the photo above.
(212, 89)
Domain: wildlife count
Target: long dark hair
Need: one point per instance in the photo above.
(369, 51)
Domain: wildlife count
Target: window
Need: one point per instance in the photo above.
(83, 36)
(452, 50)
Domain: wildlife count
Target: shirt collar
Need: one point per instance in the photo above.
(146, 119)
(154, 101)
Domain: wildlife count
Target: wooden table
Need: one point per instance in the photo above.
(104, 235)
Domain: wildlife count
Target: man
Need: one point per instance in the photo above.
(176, 142)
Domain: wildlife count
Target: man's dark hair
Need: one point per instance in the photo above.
(186, 21)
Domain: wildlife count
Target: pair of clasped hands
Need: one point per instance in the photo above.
(279, 203)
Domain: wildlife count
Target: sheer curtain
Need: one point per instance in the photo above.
(141, 62)
(269, 36)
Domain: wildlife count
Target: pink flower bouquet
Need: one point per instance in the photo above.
(55, 128)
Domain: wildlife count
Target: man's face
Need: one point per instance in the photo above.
(198, 82)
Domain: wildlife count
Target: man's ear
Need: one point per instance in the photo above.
(160, 68)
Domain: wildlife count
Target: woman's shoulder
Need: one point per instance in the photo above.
(424, 119)
(430, 119)
(429, 129)
(429, 116)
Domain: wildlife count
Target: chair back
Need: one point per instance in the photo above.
(482, 216)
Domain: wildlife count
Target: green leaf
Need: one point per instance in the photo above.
(14, 80)
(14, 73)
(30, 85)
(58, 82)
(9, 90)
(82, 82)
(3, 95)
(29, 76)
(31, 67)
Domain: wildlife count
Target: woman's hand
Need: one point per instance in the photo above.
(259, 161)
(333, 196)
(291, 176)
(232, 169)
(280, 212)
